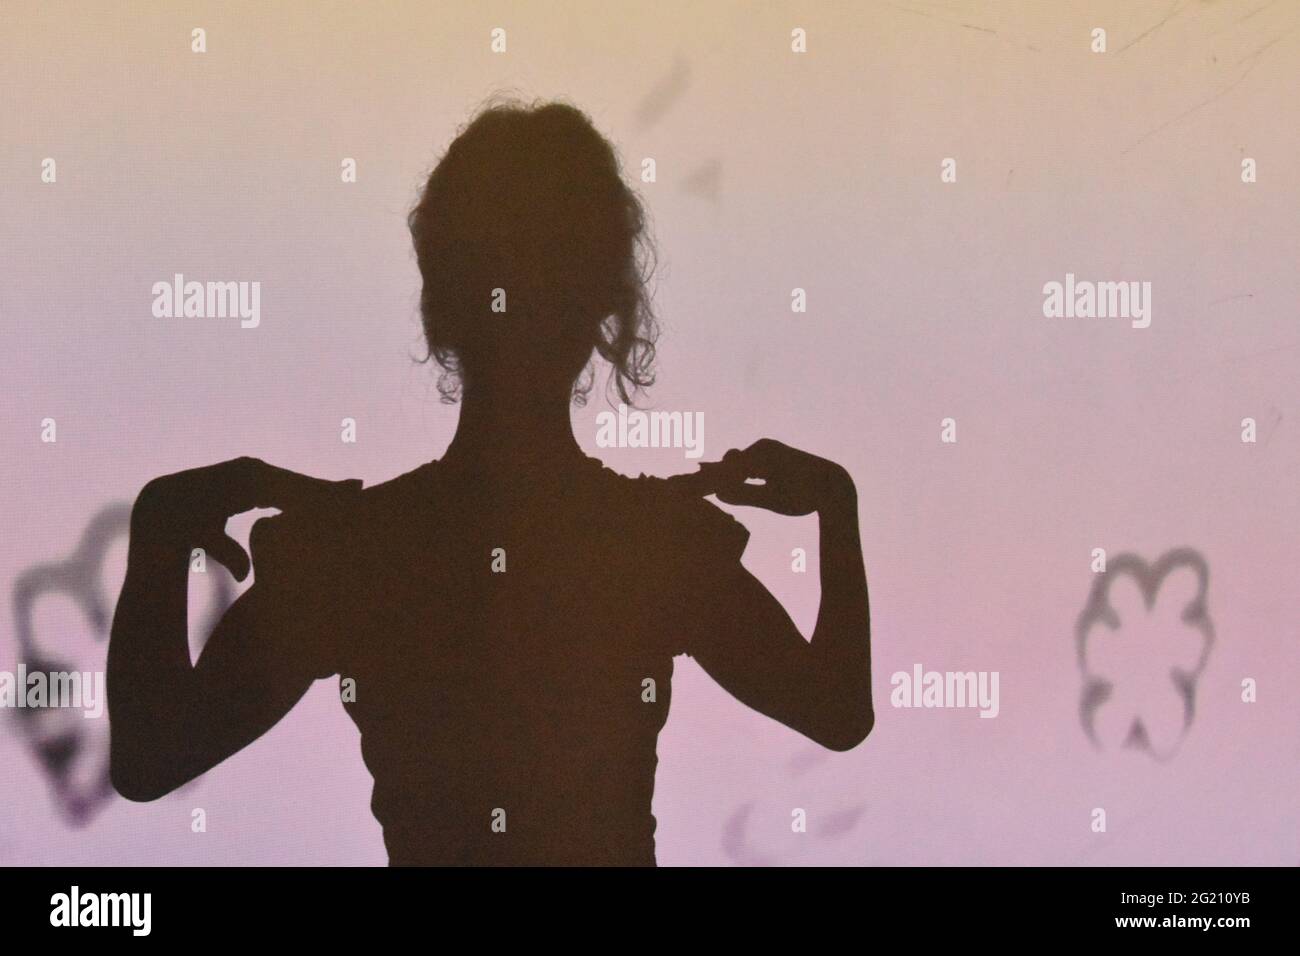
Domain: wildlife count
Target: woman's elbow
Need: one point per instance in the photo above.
(136, 781)
(844, 719)
(137, 789)
(847, 732)
(846, 715)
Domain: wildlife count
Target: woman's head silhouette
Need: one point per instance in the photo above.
(534, 254)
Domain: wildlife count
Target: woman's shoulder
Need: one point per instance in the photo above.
(413, 485)
(350, 516)
(675, 507)
(648, 507)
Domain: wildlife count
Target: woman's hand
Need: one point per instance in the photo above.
(792, 482)
(189, 509)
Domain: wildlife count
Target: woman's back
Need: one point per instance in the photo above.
(511, 650)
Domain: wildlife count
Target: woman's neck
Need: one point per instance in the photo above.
(499, 430)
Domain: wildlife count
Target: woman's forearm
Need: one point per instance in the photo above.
(148, 655)
(842, 637)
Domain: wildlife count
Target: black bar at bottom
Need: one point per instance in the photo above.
(996, 904)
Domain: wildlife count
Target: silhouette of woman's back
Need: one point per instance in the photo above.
(505, 618)
(512, 651)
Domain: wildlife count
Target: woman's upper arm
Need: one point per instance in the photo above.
(268, 648)
(744, 638)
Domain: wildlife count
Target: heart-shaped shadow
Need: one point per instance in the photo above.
(73, 760)
(1097, 689)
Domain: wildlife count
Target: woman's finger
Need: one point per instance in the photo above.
(697, 485)
(263, 485)
(762, 459)
(711, 476)
(226, 551)
(741, 493)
